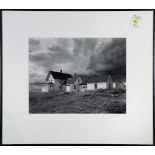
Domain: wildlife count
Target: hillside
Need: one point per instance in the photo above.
(100, 101)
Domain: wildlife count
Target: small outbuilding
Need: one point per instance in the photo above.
(73, 84)
(99, 82)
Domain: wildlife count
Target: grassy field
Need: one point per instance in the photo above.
(100, 101)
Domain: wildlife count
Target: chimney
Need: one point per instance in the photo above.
(61, 71)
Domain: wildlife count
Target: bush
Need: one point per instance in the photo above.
(116, 107)
(66, 93)
(87, 95)
(101, 90)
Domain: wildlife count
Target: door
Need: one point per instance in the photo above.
(95, 85)
(68, 89)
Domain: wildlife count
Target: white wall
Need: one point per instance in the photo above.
(57, 85)
(101, 85)
(90, 86)
(68, 88)
(77, 82)
(114, 84)
(51, 79)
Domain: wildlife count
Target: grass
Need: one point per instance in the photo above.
(100, 101)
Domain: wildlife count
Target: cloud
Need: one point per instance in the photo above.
(75, 55)
(34, 45)
(112, 58)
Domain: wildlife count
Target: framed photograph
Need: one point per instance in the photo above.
(77, 77)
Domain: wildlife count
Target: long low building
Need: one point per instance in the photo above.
(58, 81)
(100, 82)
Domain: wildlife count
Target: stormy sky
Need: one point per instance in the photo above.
(84, 56)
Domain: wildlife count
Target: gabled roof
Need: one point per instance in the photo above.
(73, 79)
(58, 75)
(109, 79)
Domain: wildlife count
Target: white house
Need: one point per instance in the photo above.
(73, 85)
(100, 82)
(56, 81)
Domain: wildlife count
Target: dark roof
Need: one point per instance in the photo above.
(58, 75)
(109, 79)
(73, 79)
(105, 78)
(96, 79)
(83, 83)
(64, 82)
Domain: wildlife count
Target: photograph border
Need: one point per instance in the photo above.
(112, 81)
(1, 78)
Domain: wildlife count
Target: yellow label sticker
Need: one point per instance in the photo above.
(135, 20)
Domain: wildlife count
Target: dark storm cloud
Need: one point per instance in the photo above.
(84, 46)
(53, 54)
(111, 59)
(84, 56)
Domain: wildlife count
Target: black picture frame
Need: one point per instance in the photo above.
(1, 77)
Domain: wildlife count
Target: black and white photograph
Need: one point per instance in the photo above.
(77, 75)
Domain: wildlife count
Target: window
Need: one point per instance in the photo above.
(84, 86)
(74, 86)
(95, 86)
